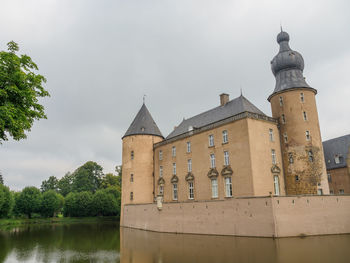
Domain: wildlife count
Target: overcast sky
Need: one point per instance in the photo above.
(101, 57)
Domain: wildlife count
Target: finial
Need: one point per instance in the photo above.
(281, 26)
(144, 98)
(241, 92)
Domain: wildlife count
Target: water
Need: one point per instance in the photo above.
(105, 242)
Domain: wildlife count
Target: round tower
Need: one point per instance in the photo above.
(137, 160)
(293, 104)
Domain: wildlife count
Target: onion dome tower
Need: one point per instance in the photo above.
(137, 160)
(293, 104)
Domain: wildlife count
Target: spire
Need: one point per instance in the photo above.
(287, 66)
(143, 124)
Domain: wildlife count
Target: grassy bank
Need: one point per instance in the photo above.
(7, 224)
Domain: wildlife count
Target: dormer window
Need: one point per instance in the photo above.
(142, 129)
(338, 159)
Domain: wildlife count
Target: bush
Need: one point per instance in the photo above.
(104, 203)
(52, 203)
(6, 201)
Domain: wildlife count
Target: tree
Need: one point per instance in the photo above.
(49, 184)
(87, 177)
(119, 170)
(1, 179)
(20, 88)
(6, 201)
(64, 185)
(104, 203)
(51, 203)
(78, 204)
(29, 201)
(110, 180)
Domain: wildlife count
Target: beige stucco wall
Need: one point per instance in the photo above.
(340, 179)
(141, 167)
(295, 128)
(261, 216)
(249, 150)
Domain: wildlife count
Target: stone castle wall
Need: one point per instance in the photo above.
(255, 216)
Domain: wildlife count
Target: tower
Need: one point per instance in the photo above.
(137, 160)
(293, 104)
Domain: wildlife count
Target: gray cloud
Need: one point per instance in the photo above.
(101, 57)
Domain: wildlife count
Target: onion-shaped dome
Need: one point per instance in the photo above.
(287, 66)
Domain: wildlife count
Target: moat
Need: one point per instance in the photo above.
(106, 242)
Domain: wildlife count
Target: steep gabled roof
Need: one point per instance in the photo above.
(336, 147)
(233, 107)
(143, 124)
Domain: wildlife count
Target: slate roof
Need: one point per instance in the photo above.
(233, 107)
(337, 146)
(143, 124)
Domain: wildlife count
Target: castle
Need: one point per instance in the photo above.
(224, 155)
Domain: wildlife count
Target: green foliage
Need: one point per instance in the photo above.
(64, 185)
(29, 201)
(78, 204)
(51, 204)
(104, 203)
(6, 201)
(119, 169)
(49, 184)
(20, 88)
(87, 177)
(1, 179)
(110, 180)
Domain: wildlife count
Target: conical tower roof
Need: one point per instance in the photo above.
(143, 124)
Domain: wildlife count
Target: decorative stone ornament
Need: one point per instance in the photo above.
(213, 173)
(275, 169)
(226, 171)
(189, 177)
(161, 181)
(174, 179)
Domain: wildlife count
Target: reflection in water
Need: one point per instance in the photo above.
(95, 242)
(139, 246)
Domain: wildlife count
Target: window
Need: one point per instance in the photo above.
(302, 97)
(132, 155)
(290, 157)
(319, 191)
(297, 179)
(174, 191)
(224, 137)
(338, 159)
(188, 147)
(160, 171)
(281, 101)
(285, 137)
(226, 158)
(283, 119)
(131, 177)
(329, 177)
(160, 155)
(190, 190)
(311, 156)
(273, 155)
(307, 133)
(304, 116)
(174, 168)
(212, 161)
(211, 140)
(189, 165)
(173, 151)
(331, 192)
(271, 135)
(341, 191)
(161, 189)
(228, 186)
(214, 188)
(276, 184)
(131, 196)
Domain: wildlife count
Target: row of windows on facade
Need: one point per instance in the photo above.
(285, 136)
(284, 121)
(341, 192)
(214, 188)
(302, 99)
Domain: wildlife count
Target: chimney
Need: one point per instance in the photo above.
(224, 98)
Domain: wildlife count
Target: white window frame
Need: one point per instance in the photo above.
(226, 158)
(214, 188)
(191, 190)
(173, 151)
(189, 165)
(131, 178)
(160, 155)
(271, 135)
(273, 156)
(276, 184)
(211, 140)
(341, 191)
(307, 135)
(212, 161)
(228, 186)
(188, 147)
(174, 168)
(224, 136)
(161, 171)
(175, 191)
